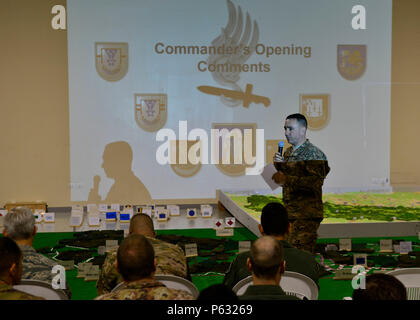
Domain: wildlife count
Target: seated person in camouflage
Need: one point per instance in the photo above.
(137, 264)
(11, 271)
(170, 258)
(274, 222)
(266, 263)
(19, 225)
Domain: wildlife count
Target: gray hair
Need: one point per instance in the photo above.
(19, 223)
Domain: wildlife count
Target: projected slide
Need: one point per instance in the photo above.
(158, 88)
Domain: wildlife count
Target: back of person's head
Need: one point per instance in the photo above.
(217, 292)
(381, 287)
(136, 258)
(300, 118)
(266, 257)
(10, 254)
(274, 219)
(141, 223)
(19, 223)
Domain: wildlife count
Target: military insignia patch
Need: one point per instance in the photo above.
(351, 61)
(225, 147)
(111, 60)
(151, 111)
(177, 154)
(316, 108)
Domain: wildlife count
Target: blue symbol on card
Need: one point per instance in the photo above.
(111, 215)
(360, 260)
(124, 216)
(191, 213)
(162, 215)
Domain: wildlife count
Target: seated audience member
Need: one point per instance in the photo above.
(217, 292)
(137, 264)
(169, 257)
(11, 271)
(19, 225)
(274, 222)
(266, 263)
(381, 287)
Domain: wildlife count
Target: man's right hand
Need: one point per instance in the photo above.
(278, 158)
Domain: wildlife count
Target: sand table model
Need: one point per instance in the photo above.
(349, 207)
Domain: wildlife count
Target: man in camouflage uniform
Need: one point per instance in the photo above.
(137, 264)
(301, 172)
(11, 271)
(19, 225)
(169, 257)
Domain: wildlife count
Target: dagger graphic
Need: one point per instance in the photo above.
(247, 97)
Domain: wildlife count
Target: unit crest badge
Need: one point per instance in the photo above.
(316, 108)
(111, 60)
(351, 61)
(151, 110)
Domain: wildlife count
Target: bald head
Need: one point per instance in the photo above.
(142, 224)
(135, 258)
(266, 257)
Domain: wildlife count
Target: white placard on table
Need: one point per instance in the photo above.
(385, 245)
(191, 213)
(218, 224)
(93, 221)
(83, 268)
(115, 207)
(49, 217)
(173, 210)
(162, 215)
(345, 244)
(244, 246)
(191, 250)
(230, 222)
(92, 207)
(103, 207)
(224, 232)
(360, 259)
(77, 208)
(76, 220)
(206, 211)
(406, 247)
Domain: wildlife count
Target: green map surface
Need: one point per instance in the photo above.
(348, 207)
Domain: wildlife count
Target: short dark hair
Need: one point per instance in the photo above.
(274, 219)
(135, 258)
(266, 257)
(299, 118)
(218, 292)
(10, 253)
(381, 287)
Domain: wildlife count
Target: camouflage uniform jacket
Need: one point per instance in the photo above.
(8, 293)
(38, 267)
(305, 169)
(169, 257)
(146, 290)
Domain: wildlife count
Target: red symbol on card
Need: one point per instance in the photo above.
(230, 222)
(218, 224)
